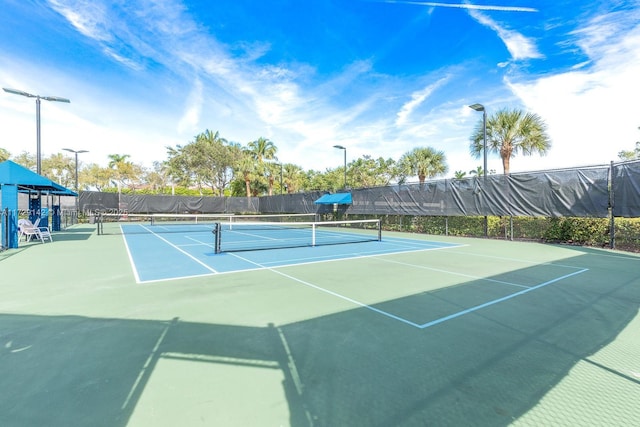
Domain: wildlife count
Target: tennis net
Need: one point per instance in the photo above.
(111, 223)
(248, 236)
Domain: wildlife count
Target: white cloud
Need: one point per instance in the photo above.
(417, 98)
(591, 113)
(467, 6)
(191, 117)
(519, 46)
(88, 17)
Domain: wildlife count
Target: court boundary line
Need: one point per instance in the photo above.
(259, 266)
(134, 267)
(409, 322)
(455, 273)
(498, 300)
(213, 271)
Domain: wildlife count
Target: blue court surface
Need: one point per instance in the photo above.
(176, 255)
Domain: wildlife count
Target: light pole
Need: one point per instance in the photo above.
(76, 152)
(340, 147)
(480, 107)
(38, 98)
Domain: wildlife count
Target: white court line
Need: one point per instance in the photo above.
(408, 322)
(455, 273)
(133, 264)
(495, 301)
(335, 294)
(179, 249)
(295, 261)
(523, 261)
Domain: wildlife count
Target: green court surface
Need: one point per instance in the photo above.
(487, 333)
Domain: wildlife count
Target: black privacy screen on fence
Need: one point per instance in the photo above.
(578, 192)
(626, 189)
(551, 193)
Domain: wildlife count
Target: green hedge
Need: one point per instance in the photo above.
(580, 231)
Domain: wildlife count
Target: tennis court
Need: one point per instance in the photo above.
(189, 242)
(410, 330)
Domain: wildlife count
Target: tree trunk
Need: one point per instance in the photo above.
(505, 164)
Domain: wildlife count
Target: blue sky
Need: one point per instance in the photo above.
(378, 77)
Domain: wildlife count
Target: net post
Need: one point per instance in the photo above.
(313, 234)
(216, 237)
(98, 220)
(379, 230)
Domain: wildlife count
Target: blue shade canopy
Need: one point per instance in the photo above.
(27, 181)
(335, 199)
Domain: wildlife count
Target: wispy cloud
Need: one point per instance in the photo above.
(417, 98)
(467, 6)
(191, 117)
(519, 46)
(87, 17)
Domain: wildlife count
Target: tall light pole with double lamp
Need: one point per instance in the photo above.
(38, 98)
(36, 207)
(340, 147)
(480, 107)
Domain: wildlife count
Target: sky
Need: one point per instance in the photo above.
(377, 77)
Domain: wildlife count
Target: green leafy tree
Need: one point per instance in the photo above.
(207, 161)
(630, 155)
(511, 132)
(294, 178)
(367, 172)
(94, 176)
(4, 155)
(122, 169)
(459, 174)
(26, 159)
(157, 178)
(60, 168)
(330, 180)
(423, 162)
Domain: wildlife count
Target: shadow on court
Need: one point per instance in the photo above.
(78, 371)
(355, 368)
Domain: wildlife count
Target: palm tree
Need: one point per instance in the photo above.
(121, 167)
(247, 167)
(459, 174)
(262, 149)
(510, 132)
(294, 178)
(425, 162)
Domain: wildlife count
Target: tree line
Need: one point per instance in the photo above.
(212, 165)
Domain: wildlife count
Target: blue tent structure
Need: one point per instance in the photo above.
(16, 179)
(335, 199)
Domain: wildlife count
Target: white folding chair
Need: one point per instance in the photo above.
(28, 230)
(43, 232)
